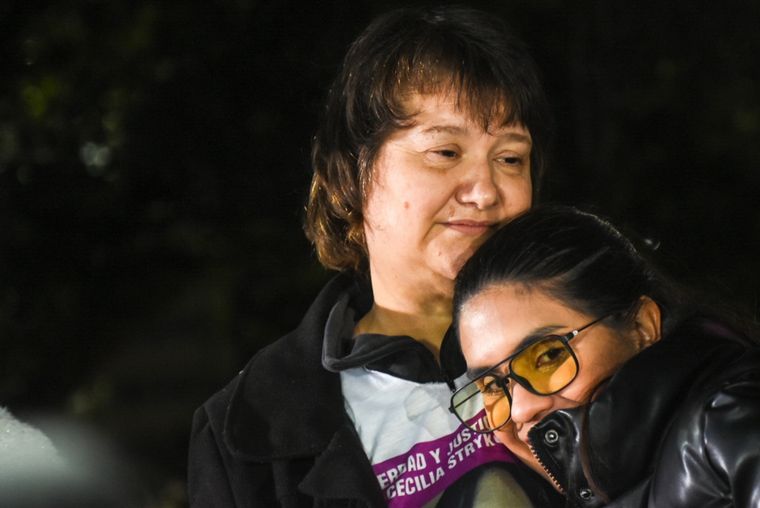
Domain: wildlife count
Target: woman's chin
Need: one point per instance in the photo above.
(509, 438)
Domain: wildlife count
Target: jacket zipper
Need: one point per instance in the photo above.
(551, 476)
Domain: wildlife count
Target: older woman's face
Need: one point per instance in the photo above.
(497, 322)
(439, 189)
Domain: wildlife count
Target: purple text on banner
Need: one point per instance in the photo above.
(427, 469)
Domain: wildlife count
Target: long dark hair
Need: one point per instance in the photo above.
(576, 257)
(584, 262)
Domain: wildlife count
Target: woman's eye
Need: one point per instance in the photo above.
(511, 160)
(490, 387)
(446, 154)
(551, 357)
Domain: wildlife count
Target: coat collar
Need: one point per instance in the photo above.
(285, 404)
(343, 471)
(622, 427)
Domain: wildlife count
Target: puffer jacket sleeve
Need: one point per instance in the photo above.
(714, 454)
(732, 439)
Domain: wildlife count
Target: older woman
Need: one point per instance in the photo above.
(434, 135)
(588, 365)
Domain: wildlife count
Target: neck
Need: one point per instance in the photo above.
(421, 313)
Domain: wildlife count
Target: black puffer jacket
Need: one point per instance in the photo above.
(677, 426)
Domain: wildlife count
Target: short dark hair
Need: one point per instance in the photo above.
(439, 50)
(576, 257)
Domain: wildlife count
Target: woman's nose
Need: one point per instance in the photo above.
(527, 406)
(478, 187)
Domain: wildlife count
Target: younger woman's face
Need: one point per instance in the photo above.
(497, 322)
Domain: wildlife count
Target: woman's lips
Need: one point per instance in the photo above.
(469, 227)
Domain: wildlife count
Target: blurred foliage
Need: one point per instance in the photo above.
(154, 165)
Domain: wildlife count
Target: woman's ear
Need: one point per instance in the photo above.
(647, 325)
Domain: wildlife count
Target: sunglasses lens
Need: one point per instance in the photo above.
(548, 365)
(482, 405)
(495, 400)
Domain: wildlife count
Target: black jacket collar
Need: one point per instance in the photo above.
(286, 379)
(285, 406)
(622, 427)
(400, 356)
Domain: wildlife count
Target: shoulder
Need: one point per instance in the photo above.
(230, 441)
(216, 478)
(712, 449)
(729, 413)
(723, 389)
(296, 351)
(282, 407)
(284, 378)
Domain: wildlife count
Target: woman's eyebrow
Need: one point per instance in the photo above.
(459, 130)
(515, 136)
(537, 334)
(448, 129)
(533, 336)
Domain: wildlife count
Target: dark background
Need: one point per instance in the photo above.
(154, 165)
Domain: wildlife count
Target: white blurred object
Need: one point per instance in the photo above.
(25, 452)
(81, 470)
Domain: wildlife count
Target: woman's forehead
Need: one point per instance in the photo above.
(486, 106)
(500, 317)
(444, 111)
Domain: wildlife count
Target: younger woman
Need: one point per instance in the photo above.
(586, 365)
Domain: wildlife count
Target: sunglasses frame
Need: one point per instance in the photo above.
(502, 381)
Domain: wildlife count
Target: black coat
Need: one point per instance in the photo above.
(677, 426)
(278, 434)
